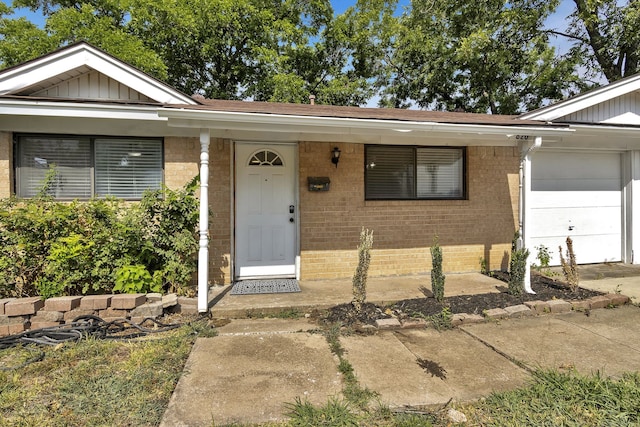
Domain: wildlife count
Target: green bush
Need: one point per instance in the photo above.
(134, 279)
(437, 277)
(517, 267)
(51, 248)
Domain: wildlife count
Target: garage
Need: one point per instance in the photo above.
(577, 194)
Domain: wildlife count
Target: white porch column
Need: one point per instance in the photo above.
(525, 195)
(203, 251)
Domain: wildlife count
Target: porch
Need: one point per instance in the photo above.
(323, 294)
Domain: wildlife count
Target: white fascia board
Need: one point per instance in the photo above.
(77, 110)
(589, 99)
(603, 130)
(291, 123)
(52, 65)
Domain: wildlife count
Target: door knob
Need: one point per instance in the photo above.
(291, 220)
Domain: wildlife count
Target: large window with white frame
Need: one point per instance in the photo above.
(81, 167)
(408, 173)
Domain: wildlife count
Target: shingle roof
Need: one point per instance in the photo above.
(317, 110)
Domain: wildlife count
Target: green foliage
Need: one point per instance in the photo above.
(94, 382)
(335, 413)
(543, 256)
(476, 56)
(50, 248)
(355, 394)
(134, 279)
(442, 321)
(68, 267)
(563, 399)
(484, 268)
(170, 224)
(362, 270)
(222, 49)
(517, 267)
(606, 37)
(437, 277)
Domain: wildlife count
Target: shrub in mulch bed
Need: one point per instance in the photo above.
(546, 289)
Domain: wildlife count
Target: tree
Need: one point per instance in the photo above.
(278, 50)
(606, 35)
(476, 56)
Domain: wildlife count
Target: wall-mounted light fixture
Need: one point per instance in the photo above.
(335, 156)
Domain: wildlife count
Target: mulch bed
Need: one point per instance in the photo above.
(546, 289)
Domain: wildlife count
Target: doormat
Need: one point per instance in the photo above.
(267, 286)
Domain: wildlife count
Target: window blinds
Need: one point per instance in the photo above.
(402, 172)
(69, 158)
(127, 167)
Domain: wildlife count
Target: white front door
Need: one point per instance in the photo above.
(265, 210)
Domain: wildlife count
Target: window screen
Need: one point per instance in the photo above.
(401, 172)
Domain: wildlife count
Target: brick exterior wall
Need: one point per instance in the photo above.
(6, 164)
(182, 160)
(480, 227)
(330, 222)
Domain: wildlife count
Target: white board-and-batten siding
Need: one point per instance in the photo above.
(621, 110)
(92, 85)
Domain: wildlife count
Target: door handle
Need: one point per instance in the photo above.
(292, 209)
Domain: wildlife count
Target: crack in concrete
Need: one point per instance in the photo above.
(519, 363)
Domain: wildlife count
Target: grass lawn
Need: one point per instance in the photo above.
(95, 382)
(117, 383)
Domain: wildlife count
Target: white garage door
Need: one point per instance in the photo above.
(577, 195)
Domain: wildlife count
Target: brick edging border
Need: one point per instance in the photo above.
(529, 308)
(21, 314)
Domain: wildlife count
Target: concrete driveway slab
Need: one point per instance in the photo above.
(382, 364)
(473, 370)
(566, 341)
(619, 325)
(629, 286)
(388, 364)
(250, 378)
(261, 326)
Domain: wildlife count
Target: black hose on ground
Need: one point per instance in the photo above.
(81, 327)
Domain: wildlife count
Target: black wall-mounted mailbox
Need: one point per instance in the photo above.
(319, 183)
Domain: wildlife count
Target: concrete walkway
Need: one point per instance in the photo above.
(610, 278)
(322, 294)
(254, 368)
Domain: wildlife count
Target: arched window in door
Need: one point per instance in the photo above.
(265, 157)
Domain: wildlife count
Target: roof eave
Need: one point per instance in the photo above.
(247, 121)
